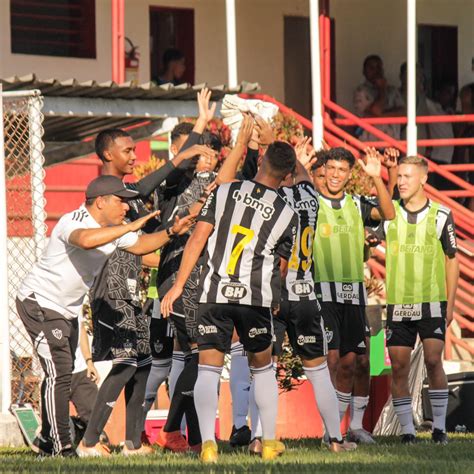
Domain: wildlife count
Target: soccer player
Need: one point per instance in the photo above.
(51, 296)
(300, 312)
(422, 276)
(339, 262)
(247, 228)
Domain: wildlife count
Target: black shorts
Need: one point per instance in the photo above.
(303, 323)
(345, 326)
(161, 334)
(404, 333)
(216, 324)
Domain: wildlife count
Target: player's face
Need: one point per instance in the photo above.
(410, 180)
(113, 209)
(121, 154)
(338, 174)
(207, 164)
(319, 179)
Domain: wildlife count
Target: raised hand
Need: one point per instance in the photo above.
(373, 162)
(206, 113)
(264, 131)
(183, 224)
(305, 153)
(139, 223)
(194, 152)
(390, 157)
(246, 129)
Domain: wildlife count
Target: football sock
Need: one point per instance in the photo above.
(266, 398)
(205, 399)
(108, 393)
(254, 416)
(344, 400)
(404, 412)
(177, 366)
(134, 401)
(439, 405)
(160, 369)
(326, 398)
(358, 406)
(239, 385)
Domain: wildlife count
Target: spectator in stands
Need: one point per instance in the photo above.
(376, 97)
(174, 66)
(445, 95)
(441, 155)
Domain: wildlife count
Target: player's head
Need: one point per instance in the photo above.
(179, 135)
(318, 171)
(412, 176)
(116, 148)
(339, 164)
(279, 161)
(208, 164)
(106, 200)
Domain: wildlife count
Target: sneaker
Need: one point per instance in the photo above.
(173, 441)
(196, 448)
(256, 447)
(360, 436)
(209, 452)
(342, 446)
(240, 437)
(143, 450)
(271, 449)
(439, 437)
(408, 439)
(68, 453)
(99, 450)
(144, 438)
(42, 446)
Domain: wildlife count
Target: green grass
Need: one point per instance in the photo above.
(301, 456)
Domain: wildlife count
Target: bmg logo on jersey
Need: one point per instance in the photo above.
(257, 331)
(265, 208)
(234, 291)
(202, 330)
(302, 287)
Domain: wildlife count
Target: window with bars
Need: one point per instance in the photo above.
(53, 27)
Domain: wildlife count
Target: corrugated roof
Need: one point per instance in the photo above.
(112, 90)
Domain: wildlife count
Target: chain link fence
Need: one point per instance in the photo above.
(24, 174)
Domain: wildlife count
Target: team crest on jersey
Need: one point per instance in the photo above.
(234, 291)
(264, 208)
(329, 335)
(302, 287)
(128, 346)
(57, 333)
(158, 347)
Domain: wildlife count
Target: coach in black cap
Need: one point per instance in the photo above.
(51, 296)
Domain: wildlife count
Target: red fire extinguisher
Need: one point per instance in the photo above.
(132, 61)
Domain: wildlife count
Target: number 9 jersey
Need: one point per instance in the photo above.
(303, 199)
(253, 228)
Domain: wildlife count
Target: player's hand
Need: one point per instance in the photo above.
(390, 157)
(373, 163)
(193, 152)
(371, 240)
(92, 372)
(183, 224)
(245, 132)
(139, 223)
(276, 310)
(264, 131)
(206, 113)
(166, 304)
(449, 315)
(305, 153)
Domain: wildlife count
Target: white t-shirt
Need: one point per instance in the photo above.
(64, 274)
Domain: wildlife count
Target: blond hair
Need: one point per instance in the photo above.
(414, 160)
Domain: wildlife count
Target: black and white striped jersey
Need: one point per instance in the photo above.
(303, 199)
(253, 228)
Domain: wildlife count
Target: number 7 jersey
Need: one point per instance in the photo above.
(253, 228)
(303, 199)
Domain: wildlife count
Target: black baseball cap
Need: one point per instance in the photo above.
(105, 185)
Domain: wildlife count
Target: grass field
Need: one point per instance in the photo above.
(301, 456)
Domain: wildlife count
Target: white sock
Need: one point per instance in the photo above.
(439, 405)
(358, 406)
(325, 398)
(266, 398)
(404, 411)
(160, 369)
(206, 398)
(344, 400)
(239, 386)
(254, 416)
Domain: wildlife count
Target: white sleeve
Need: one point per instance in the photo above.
(127, 240)
(66, 226)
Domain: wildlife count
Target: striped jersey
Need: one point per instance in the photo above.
(303, 199)
(253, 228)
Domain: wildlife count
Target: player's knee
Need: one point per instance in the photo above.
(399, 368)
(362, 365)
(433, 363)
